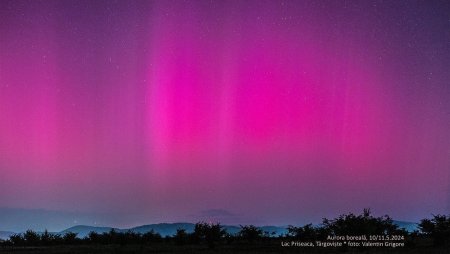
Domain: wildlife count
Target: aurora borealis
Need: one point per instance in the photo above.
(265, 112)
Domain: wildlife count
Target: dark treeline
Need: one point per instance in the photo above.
(432, 232)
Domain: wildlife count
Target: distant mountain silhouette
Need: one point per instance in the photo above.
(83, 231)
(408, 226)
(5, 234)
(164, 229)
(170, 229)
(278, 230)
(19, 219)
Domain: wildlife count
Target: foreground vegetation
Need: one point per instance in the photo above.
(433, 236)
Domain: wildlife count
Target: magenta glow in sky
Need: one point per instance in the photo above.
(266, 112)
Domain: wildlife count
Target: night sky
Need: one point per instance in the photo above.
(263, 112)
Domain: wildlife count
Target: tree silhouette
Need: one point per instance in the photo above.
(129, 237)
(365, 224)
(31, 238)
(307, 232)
(111, 237)
(209, 233)
(69, 238)
(250, 233)
(48, 239)
(151, 237)
(17, 240)
(93, 237)
(438, 228)
(181, 237)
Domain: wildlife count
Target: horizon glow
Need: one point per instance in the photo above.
(273, 112)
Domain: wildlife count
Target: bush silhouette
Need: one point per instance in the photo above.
(93, 237)
(209, 233)
(69, 238)
(364, 224)
(17, 240)
(49, 239)
(250, 233)
(435, 230)
(151, 237)
(438, 228)
(181, 237)
(307, 232)
(31, 238)
(129, 237)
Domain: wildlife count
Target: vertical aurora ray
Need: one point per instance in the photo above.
(278, 111)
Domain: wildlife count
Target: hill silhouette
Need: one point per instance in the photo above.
(164, 229)
(5, 234)
(83, 231)
(431, 233)
(170, 229)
